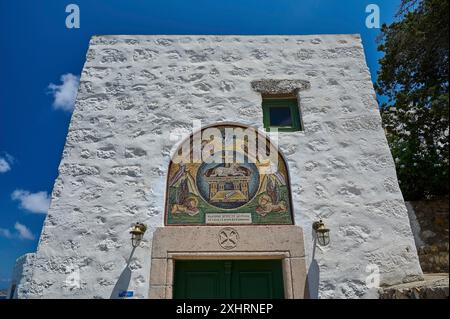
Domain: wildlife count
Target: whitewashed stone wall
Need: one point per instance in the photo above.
(21, 276)
(135, 90)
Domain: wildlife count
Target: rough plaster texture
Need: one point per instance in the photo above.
(136, 90)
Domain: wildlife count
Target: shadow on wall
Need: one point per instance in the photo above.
(313, 277)
(124, 280)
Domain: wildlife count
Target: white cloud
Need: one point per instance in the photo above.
(6, 161)
(4, 165)
(23, 231)
(5, 233)
(33, 202)
(9, 158)
(64, 95)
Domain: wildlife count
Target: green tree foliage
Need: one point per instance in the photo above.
(414, 79)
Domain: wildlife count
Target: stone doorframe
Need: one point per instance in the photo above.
(228, 242)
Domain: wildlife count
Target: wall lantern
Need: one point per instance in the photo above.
(322, 233)
(137, 232)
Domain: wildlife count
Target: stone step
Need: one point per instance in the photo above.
(434, 286)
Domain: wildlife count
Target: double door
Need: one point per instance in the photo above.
(235, 279)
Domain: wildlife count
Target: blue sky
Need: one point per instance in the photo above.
(36, 49)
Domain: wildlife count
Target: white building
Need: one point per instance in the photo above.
(137, 101)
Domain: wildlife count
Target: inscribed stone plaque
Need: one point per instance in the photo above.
(228, 218)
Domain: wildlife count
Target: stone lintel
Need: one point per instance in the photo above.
(279, 87)
(205, 239)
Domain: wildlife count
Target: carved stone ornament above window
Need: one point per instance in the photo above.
(280, 86)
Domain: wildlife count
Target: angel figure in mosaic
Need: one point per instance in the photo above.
(182, 184)
(271, 199)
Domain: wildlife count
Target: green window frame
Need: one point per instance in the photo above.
(271, 103)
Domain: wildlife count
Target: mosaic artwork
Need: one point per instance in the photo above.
(235, 188)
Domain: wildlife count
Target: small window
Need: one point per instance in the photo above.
(281, 113)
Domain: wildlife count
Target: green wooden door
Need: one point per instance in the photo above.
(236, 279)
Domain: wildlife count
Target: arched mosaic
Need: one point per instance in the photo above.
(228, 174)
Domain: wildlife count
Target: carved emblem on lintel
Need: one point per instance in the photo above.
(228, 238)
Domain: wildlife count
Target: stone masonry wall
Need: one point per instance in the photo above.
(137, 90)
(431, 233)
